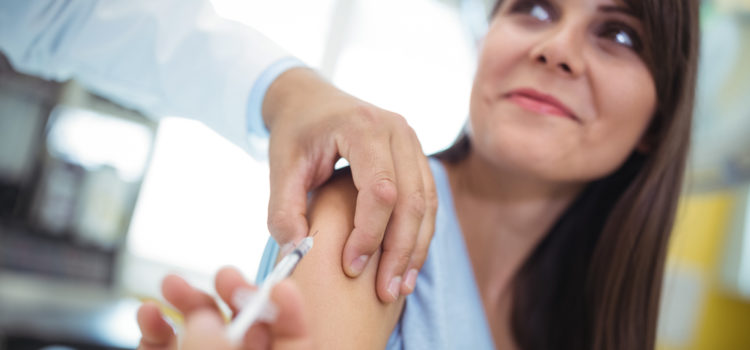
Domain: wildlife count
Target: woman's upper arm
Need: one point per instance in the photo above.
(342, 312)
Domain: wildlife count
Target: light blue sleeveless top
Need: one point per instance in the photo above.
(445, 310)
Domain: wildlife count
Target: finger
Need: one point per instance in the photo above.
(373, 174)
(156, 333)
(426, 229)
(258, 337)
(287, 205)
(204, 329)
(228, 282)
(184, 297)
(403, 228)
(290, 330)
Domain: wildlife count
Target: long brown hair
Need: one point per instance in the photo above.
(594, 281)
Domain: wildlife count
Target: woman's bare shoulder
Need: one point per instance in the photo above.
(344, 312)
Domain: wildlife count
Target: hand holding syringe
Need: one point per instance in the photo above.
(250, 312)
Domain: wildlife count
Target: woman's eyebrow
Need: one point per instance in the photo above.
(617, 9)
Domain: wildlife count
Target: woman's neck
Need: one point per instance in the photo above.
(503, 215)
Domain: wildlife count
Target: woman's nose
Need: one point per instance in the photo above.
(562, 51)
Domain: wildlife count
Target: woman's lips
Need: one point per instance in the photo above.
(538, 102)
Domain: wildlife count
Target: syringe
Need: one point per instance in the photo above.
(253, 309)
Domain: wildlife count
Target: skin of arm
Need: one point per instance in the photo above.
(342, 312)
(324, 308)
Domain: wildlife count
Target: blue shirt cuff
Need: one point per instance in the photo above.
(256, 128)
(267, 261)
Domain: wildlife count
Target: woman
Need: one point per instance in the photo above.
(557, 203)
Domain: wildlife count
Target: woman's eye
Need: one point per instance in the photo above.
(623, 38)
(539, 10)
(540, 13)
(623, 35)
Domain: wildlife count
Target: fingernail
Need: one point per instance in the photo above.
(394, 287)
(358, 264)
(411, 280)
(242, 297)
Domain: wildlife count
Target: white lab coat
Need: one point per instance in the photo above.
(161, 57)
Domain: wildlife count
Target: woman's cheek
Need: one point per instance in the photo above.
(625, 102)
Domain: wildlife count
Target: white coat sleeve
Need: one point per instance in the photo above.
(163, 58)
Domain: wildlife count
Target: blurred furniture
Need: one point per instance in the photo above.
(71, 167)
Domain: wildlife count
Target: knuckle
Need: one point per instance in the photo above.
(400, 257)
(400, 121)
(366, 113)
(415, 204)
(385, 192)
(279, 222)
(368, 239)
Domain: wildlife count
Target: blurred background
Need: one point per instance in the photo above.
(98, 202)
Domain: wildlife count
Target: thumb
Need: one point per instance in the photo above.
(287, 205)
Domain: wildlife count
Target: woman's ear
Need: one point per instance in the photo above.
(644, 146)
(648, 140)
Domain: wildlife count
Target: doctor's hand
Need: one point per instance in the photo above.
(205, 327)
(312, 124)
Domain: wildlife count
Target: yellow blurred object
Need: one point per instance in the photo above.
(174, 316)
(722, 320)
(171, 314)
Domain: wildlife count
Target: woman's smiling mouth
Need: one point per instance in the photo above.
(538, 102)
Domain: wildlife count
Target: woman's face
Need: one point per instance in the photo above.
(561, 92)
